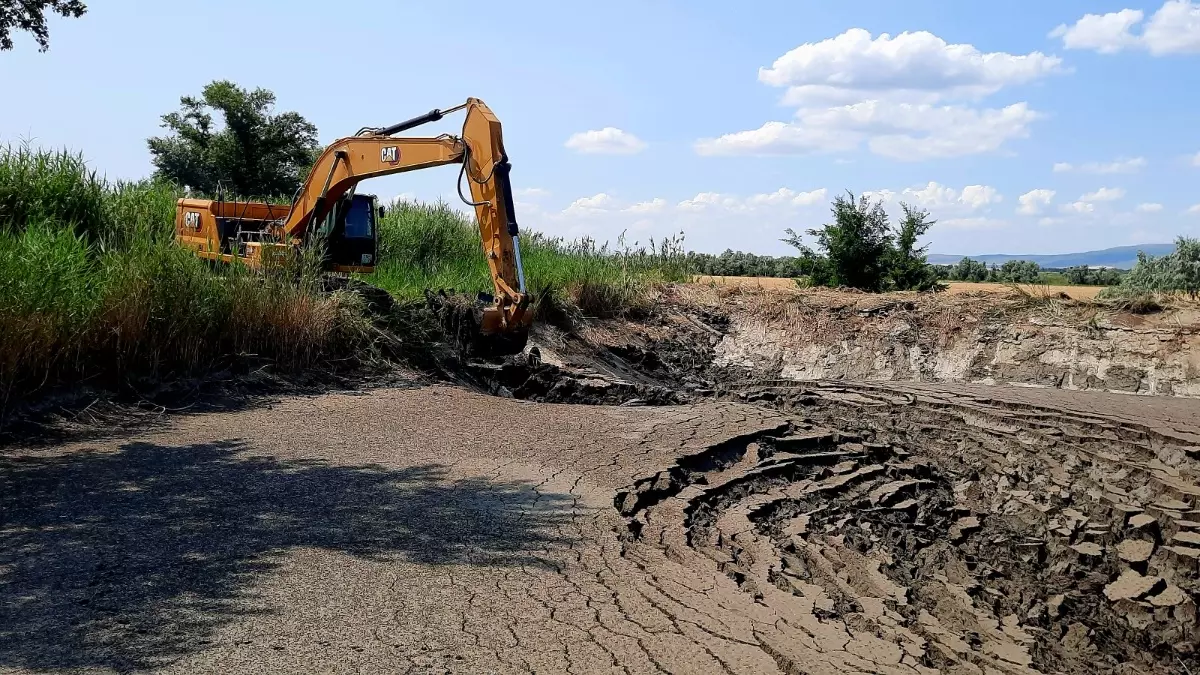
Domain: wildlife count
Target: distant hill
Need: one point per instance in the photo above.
(1122, 257)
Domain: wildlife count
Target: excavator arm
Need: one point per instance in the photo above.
(480, 150)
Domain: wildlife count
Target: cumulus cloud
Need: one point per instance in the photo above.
(935, 196)
(893, 94)
(1150, 207)
(583, 206)
(1194, 209)
(1103, 195)
(1173, 29)
(531, 193)
(903, 131)
(1034, 201)
(974, 223)
(921, 66)
(655, 205)
(1132, 165)
(787, 196)
(606, 141)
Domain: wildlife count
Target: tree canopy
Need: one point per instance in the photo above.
(860, 249)
(254, 152)
(30, 16)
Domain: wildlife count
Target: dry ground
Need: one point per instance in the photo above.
(954, 287)
(822, 528)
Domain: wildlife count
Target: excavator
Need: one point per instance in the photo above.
(326, 211)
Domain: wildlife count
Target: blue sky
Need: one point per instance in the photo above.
(1022, 126)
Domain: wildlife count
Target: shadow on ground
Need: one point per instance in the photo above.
(129, 560)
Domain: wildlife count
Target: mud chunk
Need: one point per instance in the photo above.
(1191, 538)
(1141, 520)
(1088, 548)
(963, 527)
(1135, 550)
(1055, 604)
(1185, 551)
(1171, 596)
(1172, 505)
(1131, 586)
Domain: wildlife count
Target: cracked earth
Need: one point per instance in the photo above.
(816, 528)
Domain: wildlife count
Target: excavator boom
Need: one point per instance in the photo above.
(327, 209)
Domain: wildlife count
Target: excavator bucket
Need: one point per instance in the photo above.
(477, 327)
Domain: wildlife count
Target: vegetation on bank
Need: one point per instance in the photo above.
(94, 289)
(434, 246)
(1175, 273)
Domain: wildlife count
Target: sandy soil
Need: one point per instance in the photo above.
(954, 287)
(815, 528)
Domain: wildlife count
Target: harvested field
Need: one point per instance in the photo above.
(710, 517)
(953, 287)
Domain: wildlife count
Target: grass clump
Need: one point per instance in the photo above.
(93, 288)
(433, 246)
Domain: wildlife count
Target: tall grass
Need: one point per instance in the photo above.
(92, 287)
(433, 246)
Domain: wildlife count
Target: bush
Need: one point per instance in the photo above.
(860, 250)
(1176, 272)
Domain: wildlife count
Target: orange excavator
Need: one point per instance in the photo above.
(326, 211)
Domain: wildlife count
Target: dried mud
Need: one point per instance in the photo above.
(934, 528)
(721, 519)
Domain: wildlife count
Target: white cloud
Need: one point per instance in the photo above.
(1080, 207)
(893, 94)
(1150, 207)
(939, 197)
(655, 205)
(1033, 201)
(978, 196)
(779, 138)
(606, 141)
(1173, 29)
(901, 131)
(975, 223)
(590, 205)
(1195, 208)
(706, 200)
(1132, 165)
(1195, 159)
(1105, 33)
(784, 196)
(1103, 195)
(912, 66)
(531, 193)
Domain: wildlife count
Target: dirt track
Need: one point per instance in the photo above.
(820, 528)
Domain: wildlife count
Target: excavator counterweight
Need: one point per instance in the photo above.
(328, 212)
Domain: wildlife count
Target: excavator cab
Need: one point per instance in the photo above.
(350, 234)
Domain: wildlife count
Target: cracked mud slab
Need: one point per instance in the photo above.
(818, 529)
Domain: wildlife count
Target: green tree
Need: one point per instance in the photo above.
(857, 244)
(969, 270)
(1178, 271)
(30, 15)
(909, 269)
(1019, 271)
(254, 152)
